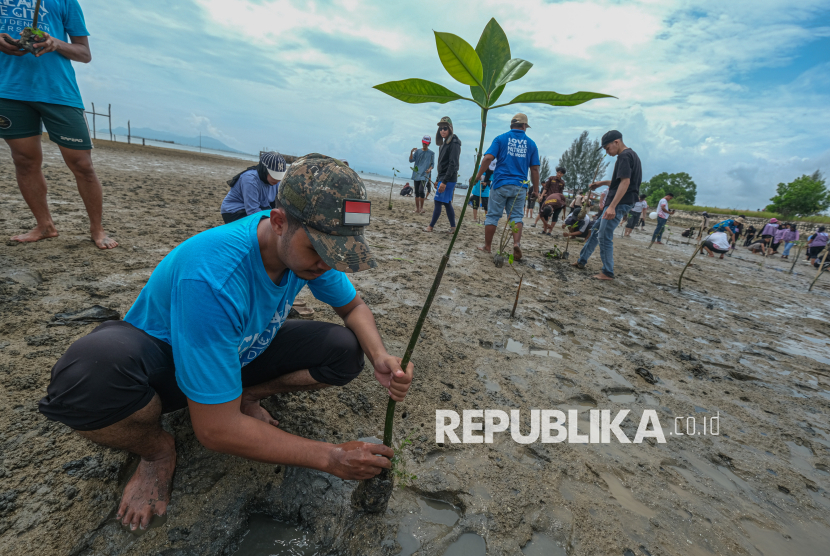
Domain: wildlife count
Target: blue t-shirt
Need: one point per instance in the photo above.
(212, 300)
(476, 188)
(516, 153)
(250, 194)
(49, 78)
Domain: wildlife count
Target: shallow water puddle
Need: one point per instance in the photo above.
(545, 353)
(415, 527)
(268, 537)
(807, 538)
(468, 544)
(515, 347)
(625, 497)
(541, 545)
(814, 348)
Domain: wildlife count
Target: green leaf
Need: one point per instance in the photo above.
(556, 99)
(514, 69)
(493, 50)
(416, 91)
(510, 259)
(479, 96)
(459, 58)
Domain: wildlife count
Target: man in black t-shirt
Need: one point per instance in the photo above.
(624, 188)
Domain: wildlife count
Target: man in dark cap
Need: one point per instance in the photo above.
(209, 332)
(623, 191)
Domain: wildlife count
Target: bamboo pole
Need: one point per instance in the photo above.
(795, 260)
(698, 248)
(413, 339)
(516, 302)
(37, 13)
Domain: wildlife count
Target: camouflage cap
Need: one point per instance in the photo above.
(314, 192)
(445, 120)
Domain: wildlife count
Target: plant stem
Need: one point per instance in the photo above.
(391, 187)
(413, 340)
(698, 248)
(34, 19)
(795, 259)
(820, 269)
(515, 303)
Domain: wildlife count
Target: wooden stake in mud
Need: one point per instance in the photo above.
(795, 260)
(698, 249)
(37, 13)
(820, 269)
(515, 303)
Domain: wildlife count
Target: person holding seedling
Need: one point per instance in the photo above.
(423, 160)
(209, 332)
(551, 208)
(768, 233)
(449, 155)
(40, 90)
(517, 155)
(623, 191)
(718, 242)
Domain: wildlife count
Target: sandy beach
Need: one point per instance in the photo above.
(745, 344)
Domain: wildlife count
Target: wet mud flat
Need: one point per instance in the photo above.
(742, 343)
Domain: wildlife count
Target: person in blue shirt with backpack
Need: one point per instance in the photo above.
(517, 155)
(40, 90)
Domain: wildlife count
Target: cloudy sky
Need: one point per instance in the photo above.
(735, 93)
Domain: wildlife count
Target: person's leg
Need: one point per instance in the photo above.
(658, 230)
(436, 212)
(590, 245)
(80, 163)
(497, 199)
(27, 157)
(304, 355)
(516, 216)
(450, 215)
(606, 241)
(787, 246)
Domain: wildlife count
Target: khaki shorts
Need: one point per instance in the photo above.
(66, 124)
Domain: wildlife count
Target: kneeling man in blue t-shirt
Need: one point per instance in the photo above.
(209, 332)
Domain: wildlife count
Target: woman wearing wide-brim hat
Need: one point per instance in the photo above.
(449, 154)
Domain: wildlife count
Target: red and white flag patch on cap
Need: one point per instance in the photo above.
(356, 213)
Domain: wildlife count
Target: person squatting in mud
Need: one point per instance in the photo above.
(255, 189)
(552, 206)
(554, 184)
(209, 332)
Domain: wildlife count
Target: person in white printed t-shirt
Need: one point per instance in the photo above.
(638, 211)
(663, 214)
(718, 242)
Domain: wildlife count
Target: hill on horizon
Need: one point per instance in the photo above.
(148, 133)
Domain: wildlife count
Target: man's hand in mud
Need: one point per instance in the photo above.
(357, 460)
(9, 49)
(46, 43)
(390, 375)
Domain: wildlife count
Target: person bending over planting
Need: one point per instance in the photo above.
(551, 208)
(516, 154)
(718, 242)
(623, 190)
(209, 332)
(40, 90)
(554, 184)
(255, 189)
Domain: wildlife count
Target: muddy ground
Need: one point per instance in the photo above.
(749, 345)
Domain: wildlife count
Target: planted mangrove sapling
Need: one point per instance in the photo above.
(394, 175)
(487, 70)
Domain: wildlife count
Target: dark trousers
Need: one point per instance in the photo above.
(229, 217)
(436, 212)
(117, 369)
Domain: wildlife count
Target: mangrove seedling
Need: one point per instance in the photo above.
(487, 70)
(799, 245)
(501, 255)
(30, 36)
(518, 290)
(820, 269)
(399, 470)
(394, 175)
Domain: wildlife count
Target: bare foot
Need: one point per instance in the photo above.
(148, 491)
(485, 249)
(36, 234)
(252, 408)
(450, 231)
(102, 240)
(578, 265)
(601, 276)
(517, 253)
(428, 229)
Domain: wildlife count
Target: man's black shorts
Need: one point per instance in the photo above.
(420, 189)
(116, 369)
(708, 243)
(548, 211)
(480, 201)
(633, 220)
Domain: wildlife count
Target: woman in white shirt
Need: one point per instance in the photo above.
(718, 242)
(637, 212)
